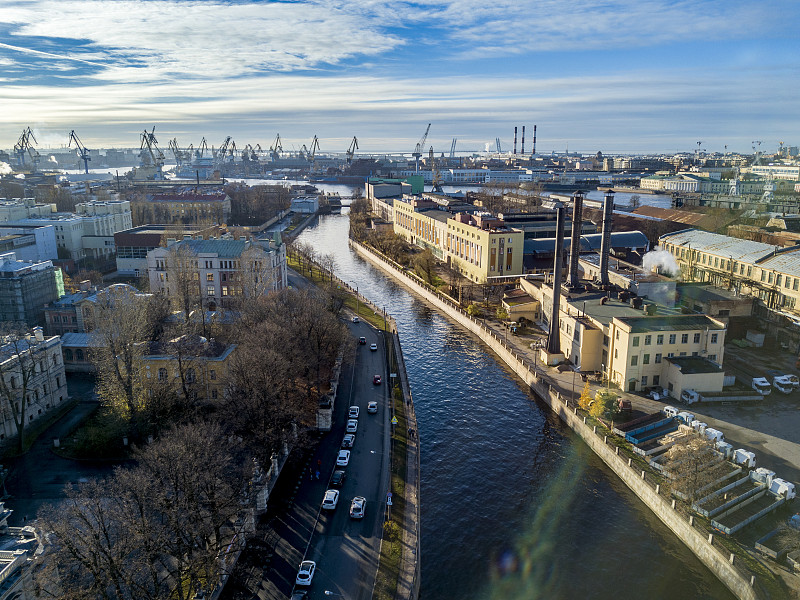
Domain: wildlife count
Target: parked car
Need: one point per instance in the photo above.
(372, 407)
(338, 477)
(356, 319)
(362, 340)
(353, 412)
(376, 379)
(348, 440)
(330, 500)
(343, 458)
(373, 347)
(357, 507)
(352, 426)
(657, 393)
(306, 572)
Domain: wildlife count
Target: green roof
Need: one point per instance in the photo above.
(690, 365)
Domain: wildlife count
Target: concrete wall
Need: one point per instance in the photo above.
(720, 564)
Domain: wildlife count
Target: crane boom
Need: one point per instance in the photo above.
(83, 151)
(352, 149)
(420, 147)
(24, 146)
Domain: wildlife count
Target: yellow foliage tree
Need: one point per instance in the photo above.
(586, 397)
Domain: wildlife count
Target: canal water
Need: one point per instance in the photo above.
(514, 506)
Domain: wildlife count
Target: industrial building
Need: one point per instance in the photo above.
(133, 244)
(768, 273)
(478, 246)
(26, 287)
(188, 207)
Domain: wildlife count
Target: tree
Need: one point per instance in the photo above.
(23, 359)
(586, 397)
(473, 310)
(693, 464)
(122, 321)
(635, 201)
(183, 279)
(425, 266)
(501, 313)
(605, 405)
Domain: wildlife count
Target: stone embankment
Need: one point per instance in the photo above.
(722, 563)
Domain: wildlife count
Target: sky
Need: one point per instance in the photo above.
(618, 76)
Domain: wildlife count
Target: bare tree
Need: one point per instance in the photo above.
(425, 266)
(183, 279)
(123, 321)
(22, 358)
(693, 464)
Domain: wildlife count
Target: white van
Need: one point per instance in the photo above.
(670, 411)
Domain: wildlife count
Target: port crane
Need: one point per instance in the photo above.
(149, 151)
(437, 176)
(276, 148)
(181, 156)
(497, 143)
(352, 149)
(83, 151)
(201, 149)
(420, 148)
(314, 148)
(453, 148)
(756, 153)
(24, 146)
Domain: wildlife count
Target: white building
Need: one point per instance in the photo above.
(88, 232)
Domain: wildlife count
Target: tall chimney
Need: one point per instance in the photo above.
(515, 140)
(605, 239)
(534, 141)
(554, 335)
(523, 140)
(575, 243)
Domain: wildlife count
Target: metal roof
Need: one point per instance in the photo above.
(671, 323)
(222, 248)
(720, 245)
(589, 242)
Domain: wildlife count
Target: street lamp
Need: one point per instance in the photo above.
(573, 386)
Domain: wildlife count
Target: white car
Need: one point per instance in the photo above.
(330, 500)
(306, 572)
(348, 440)
(343, 458)
(353, 413)
(373, 347)
(357, 507)
(356, 319)
(352, 426)
(372, 407)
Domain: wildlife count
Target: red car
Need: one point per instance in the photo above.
(362, 340)
(376, 379)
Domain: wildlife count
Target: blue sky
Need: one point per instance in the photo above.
(610, 75)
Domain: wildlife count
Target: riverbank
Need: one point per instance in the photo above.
(743, 576)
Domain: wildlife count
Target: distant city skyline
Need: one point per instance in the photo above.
(618, 76)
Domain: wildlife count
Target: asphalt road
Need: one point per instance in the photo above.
(346, 550)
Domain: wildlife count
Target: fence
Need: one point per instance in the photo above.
(646, 485)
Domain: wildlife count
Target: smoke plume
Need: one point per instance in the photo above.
(5, 168)
(663, 260)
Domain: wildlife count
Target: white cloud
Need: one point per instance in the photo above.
(200, 39)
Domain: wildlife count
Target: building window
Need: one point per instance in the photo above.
(209, 277)
(671, 338)
(210, 290)
(788, 284)
(212, 374)
(162, 374)
(190, 376)
(714, 338)
(67, 355)
(646, 359)
(712, 357)
(634, 360)
(648, 339)
(644, 380)
(660, 339)
(684, 338)
(696, 338)
(214, 394)
(636, 341)
(670, 354)
(770, 277)
(683, 354)
(657, 359)
(656, 379)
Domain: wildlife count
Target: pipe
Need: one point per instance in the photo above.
(554, 335)
(534, 141)
(515, 140)
(523, 140)
(605, 239)
(575, 243)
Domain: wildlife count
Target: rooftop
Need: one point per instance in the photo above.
(690, 365)
(221, 248)
(721, 245)
(676, 322)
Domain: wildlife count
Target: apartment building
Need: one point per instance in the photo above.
(224, 269)
(769, 273)
(26, 287)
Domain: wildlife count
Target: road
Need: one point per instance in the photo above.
(346, 551)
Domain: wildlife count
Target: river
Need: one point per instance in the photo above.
(514, 506)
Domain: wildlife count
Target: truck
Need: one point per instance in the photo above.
(761, 385)
(783, 384)
(690, 396)
(745, 458)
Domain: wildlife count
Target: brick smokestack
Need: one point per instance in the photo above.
(605, 239)
(554, 335)
(575, 243)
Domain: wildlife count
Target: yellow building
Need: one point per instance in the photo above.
(477, 246)
(193, 362)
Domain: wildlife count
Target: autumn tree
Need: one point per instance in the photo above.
(586, 397)
(605, 405)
